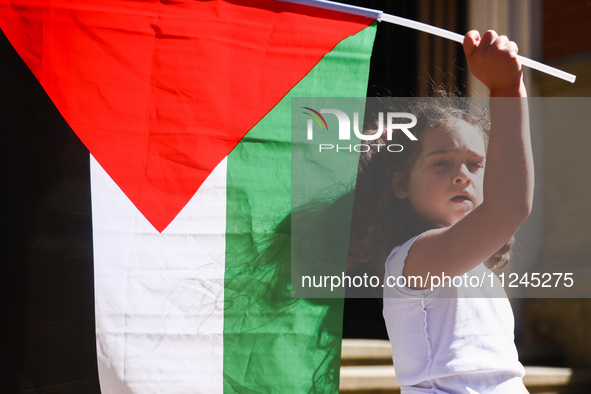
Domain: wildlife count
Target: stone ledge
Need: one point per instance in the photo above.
(366, 351)
(364, 370)
(556, 377)
(367, 378)
(376, 378)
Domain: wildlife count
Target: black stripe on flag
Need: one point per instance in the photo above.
(47, 341)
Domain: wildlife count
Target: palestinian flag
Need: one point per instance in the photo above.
(185, 109)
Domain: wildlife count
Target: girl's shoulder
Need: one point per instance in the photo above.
(395, 261)
(396, 284)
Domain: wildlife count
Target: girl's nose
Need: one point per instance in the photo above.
(462, 176)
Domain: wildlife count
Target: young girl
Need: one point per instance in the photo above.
(451, 204)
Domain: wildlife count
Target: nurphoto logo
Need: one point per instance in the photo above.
(393, 122)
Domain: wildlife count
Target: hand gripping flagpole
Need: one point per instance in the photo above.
(380, 16)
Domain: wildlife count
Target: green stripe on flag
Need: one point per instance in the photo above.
(272, 342)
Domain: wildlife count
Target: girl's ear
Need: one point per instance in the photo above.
(399, 186)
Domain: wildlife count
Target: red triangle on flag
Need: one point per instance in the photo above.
(161, 92)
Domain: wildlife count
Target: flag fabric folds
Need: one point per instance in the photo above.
(185, 109)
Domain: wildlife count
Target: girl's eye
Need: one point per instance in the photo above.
(476, 165)
(441, 163)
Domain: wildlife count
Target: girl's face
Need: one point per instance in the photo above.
(445, 183)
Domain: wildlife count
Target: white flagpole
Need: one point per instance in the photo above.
(380, 16)
(459, 38)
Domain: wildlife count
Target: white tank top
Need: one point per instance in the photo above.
(451, 339)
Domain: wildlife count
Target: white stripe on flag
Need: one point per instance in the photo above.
(159, 296)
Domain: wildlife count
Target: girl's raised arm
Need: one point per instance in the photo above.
(508, 173)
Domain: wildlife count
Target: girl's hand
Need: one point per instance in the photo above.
(493, 60)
